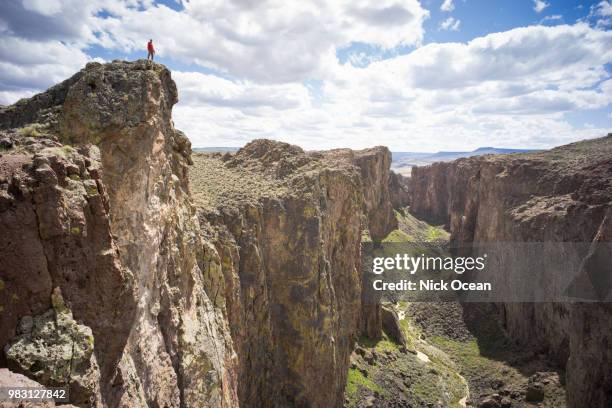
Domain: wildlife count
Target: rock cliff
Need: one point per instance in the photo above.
(114, 284)
(561, 195)
(94, 203)
(287, 225)
(399, 190)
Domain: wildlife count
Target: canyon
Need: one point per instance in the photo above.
(178, 292)
(138, 274)
(560, 195)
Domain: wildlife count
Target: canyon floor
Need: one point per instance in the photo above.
(456, 355)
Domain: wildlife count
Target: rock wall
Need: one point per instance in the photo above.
(590, 371)
(561, 195)
(94, 197)
(253, 300)
(399, 190)
(288, 227)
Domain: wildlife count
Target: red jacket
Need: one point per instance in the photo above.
(150, 46)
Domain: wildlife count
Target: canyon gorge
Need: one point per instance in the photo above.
(138, 274)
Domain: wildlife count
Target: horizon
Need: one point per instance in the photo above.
(416, 76)
(405, 151)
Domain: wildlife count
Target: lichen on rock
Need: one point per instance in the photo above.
(53, 349)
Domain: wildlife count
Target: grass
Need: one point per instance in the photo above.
(213, 184)
(410, 333)
(436, 234)
(467, 353)
(417, 230)
(32, 130)
(397, 236)
(383, 344)
(434, 382)
(63, 151)
(356, 379)
(470, 358)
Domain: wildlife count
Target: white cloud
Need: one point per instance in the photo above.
(273, 41)
(601, 14)
(553, 17)
(604, 8)
(36, 65)
(9, 97)
(198, 89)
(450, 24)
(44, 7)
(70, 21)
(447, 5)
(539, 5)
(505, 89)
(282, 78)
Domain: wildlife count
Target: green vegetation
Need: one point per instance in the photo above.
(411, 229)
(64, 151)
(386, 343)
(32, 130)
(467, 354)
(423, 376)
(417, 230)
(356, 379)
(397, 236)
(213, 184)
(483, 356)
(436, 234)
(365, 236)
(448, 346)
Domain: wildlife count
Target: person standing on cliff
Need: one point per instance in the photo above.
(151, 50)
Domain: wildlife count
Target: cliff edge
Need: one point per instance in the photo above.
(137, 280)
(94, 207)
(288, 225)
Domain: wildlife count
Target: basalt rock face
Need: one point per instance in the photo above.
(53, 349)
(94, 203)
(252, 298)
(561, 195)
(399, 190)
(287, 226)
(592, 337)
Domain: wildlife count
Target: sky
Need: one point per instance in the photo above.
(413, 75)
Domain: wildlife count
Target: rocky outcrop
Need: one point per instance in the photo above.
(94, 196)
(391, 325)
(14, 380)
(53, 349)
(589, 335)
(56, 234)
(253, 300)
(561, 195)
(376, 177)
(378, 184)
(288, 228)
(399, 190)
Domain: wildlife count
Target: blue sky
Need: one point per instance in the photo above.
(414, 75)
